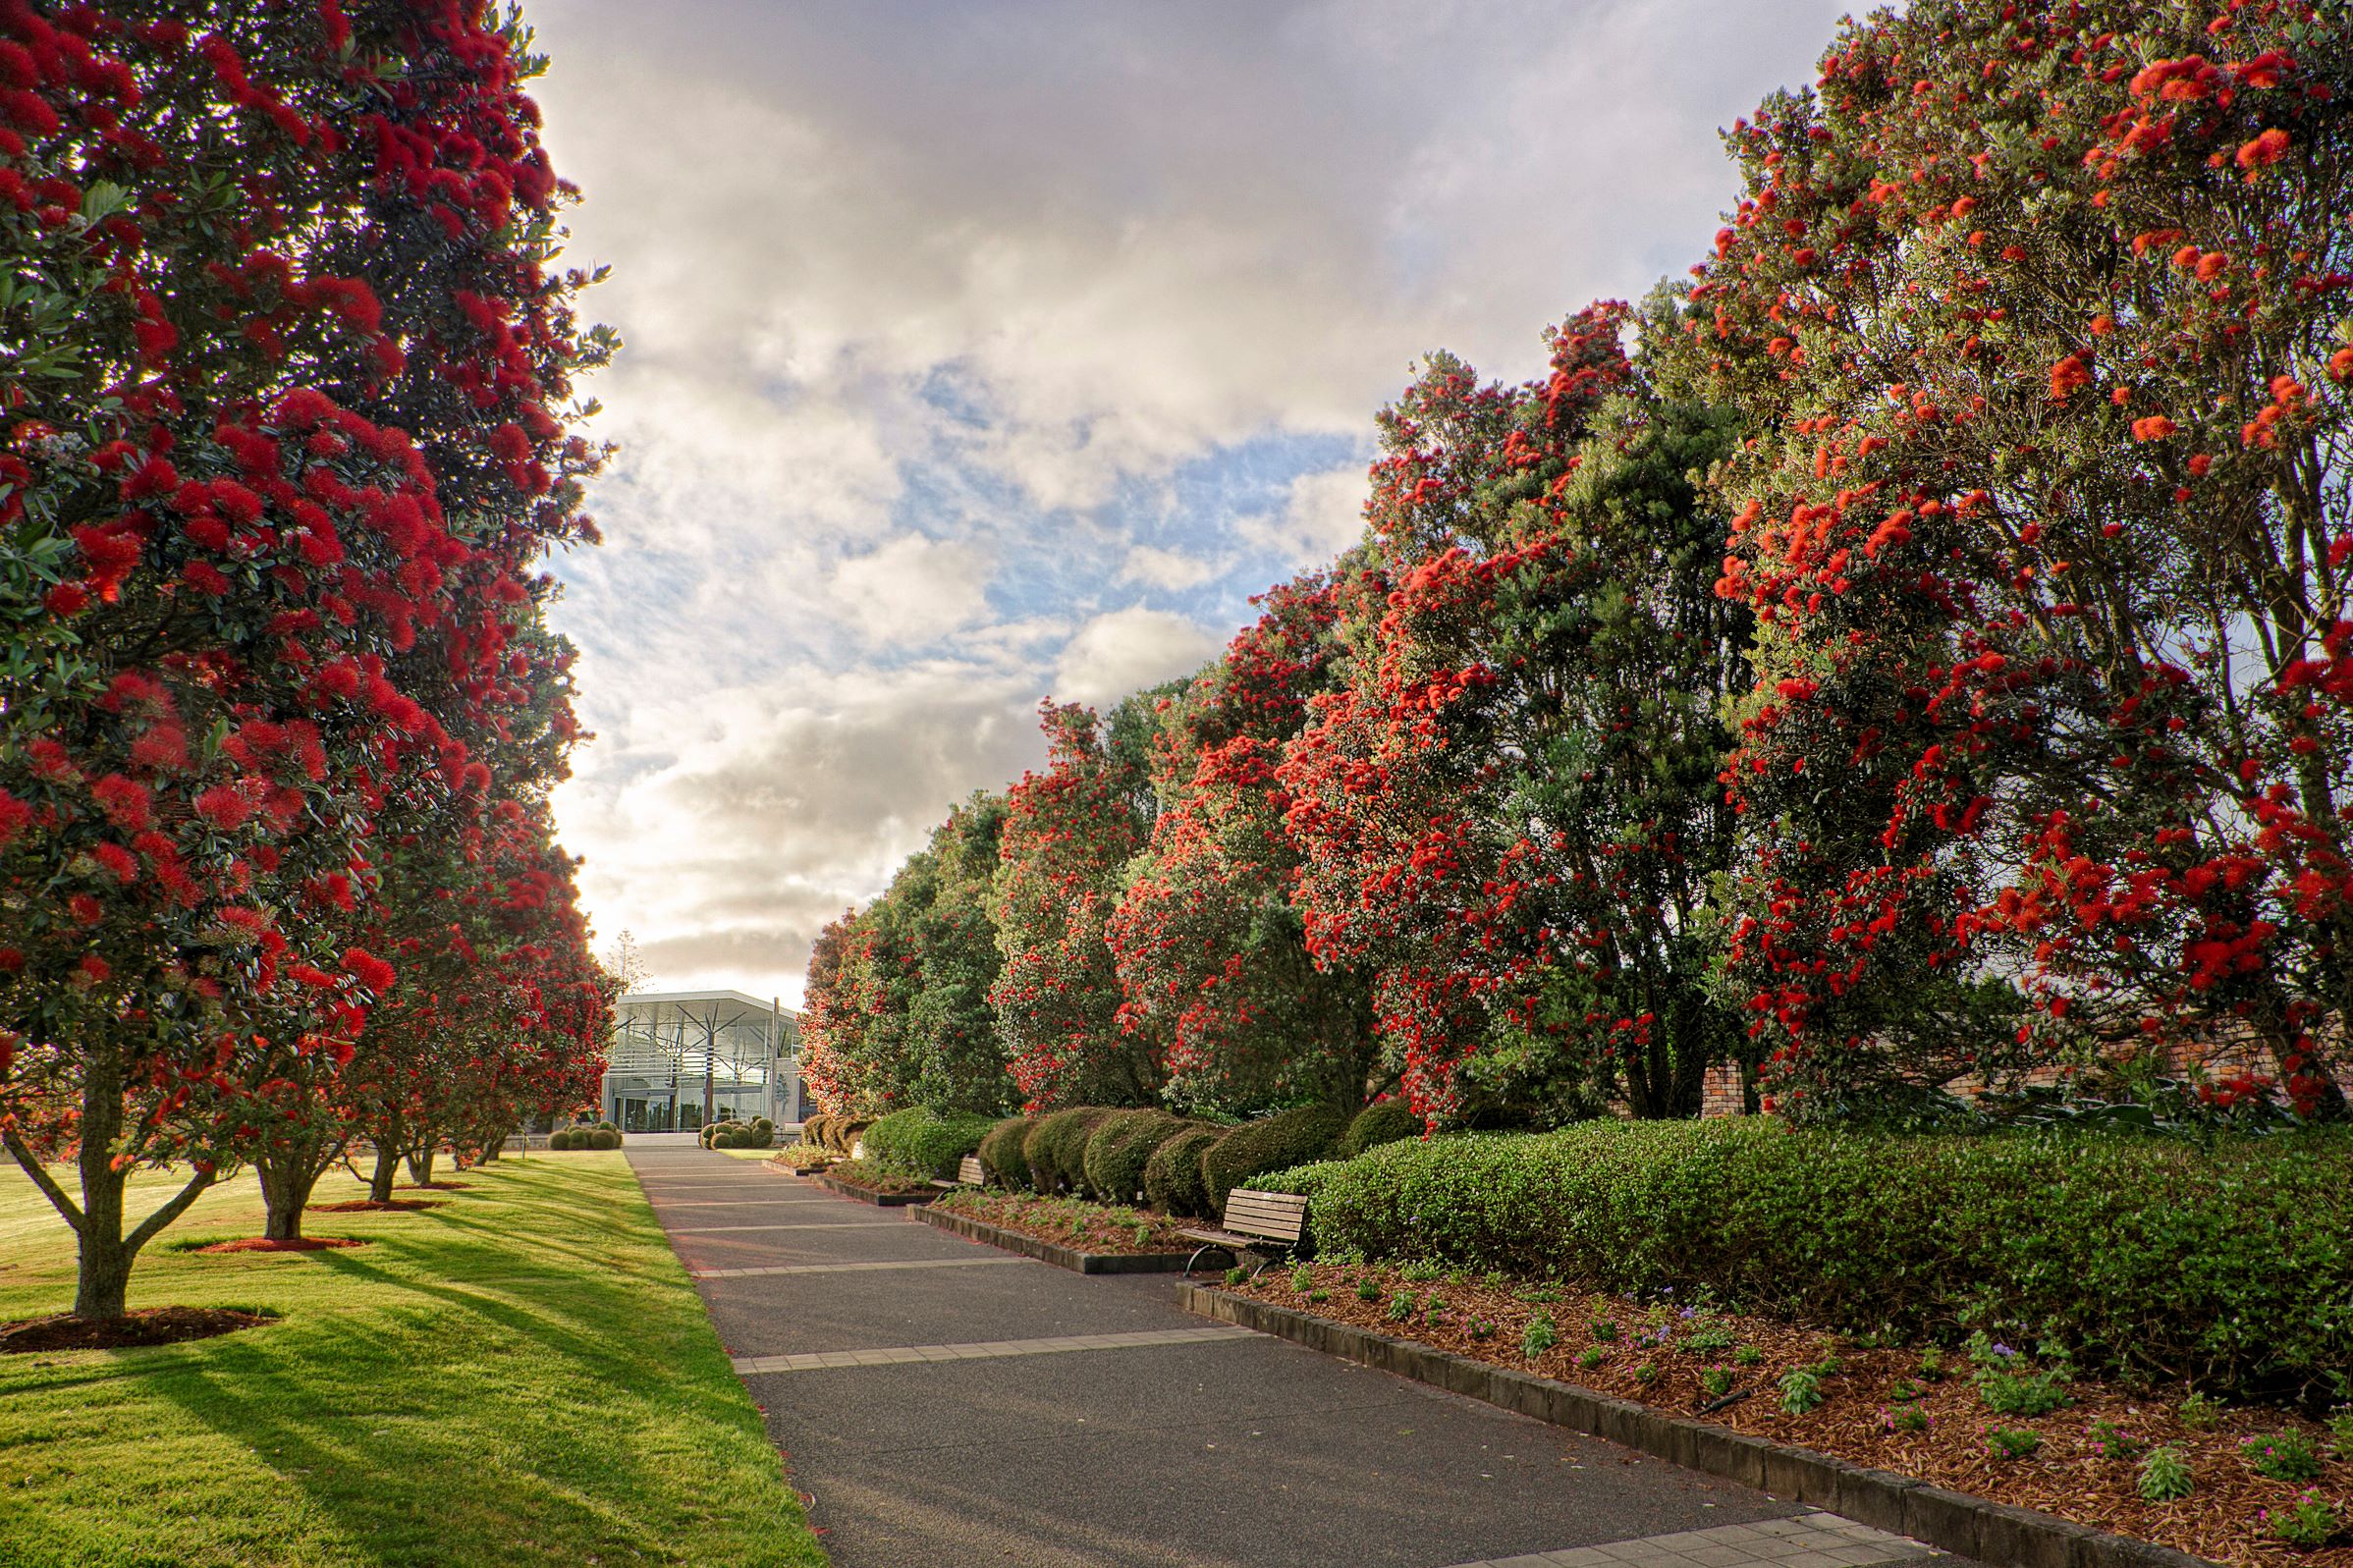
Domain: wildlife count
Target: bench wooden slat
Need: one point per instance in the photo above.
(968, 1171)
(1274, 1215)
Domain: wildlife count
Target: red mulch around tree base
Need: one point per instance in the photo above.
(435, 1186)
(368, 1206)
(299, 1244)
(157, 1325)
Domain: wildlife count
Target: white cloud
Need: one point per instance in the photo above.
(1322, 514)
(1127, 650)
(914, 590)
(1171, 569)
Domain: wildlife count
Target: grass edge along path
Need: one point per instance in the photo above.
(523, 1375)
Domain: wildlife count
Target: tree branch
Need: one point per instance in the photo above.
(41, 1179)
(168, 1213)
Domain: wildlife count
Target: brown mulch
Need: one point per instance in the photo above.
(264, 1244)
(1071, 1221)
(157, 1325)
(369, 1206)
(435, 1186)
(2223, 1518)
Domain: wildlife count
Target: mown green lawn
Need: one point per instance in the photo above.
(521, 1376)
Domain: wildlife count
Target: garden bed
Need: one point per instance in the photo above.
(855, 1178)
(370, 1206)
(1064, 1249)
(157, 1325)
(1879, 1407)
(1095, 1230)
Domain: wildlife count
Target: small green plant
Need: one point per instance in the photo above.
(1436, 1312)
(2282, 1456)
(2165, 1476)
(1718, 1380)
(2198, 1413)
(1143, 1235)
(1302, 1279)
(2111, 1442)
(1400, 1306)
(2009, 1383)
(1747, 1356)
(1457, 1278)
(1495, 1279)
(2011, 1442)
(1801, 1390)
(2309, 1521)
(1605, 1330)
(1541, 1293)
(1903, 1391)
(1905, 1418)
(1646, 1373)
(1420, 1273)
(1706, 1335)
(1932, 1365)
(1368, 1289)
(1479, 1329)
(1591, 1356)
(1537, 1337)
(2340, 1431)
(1237, 1276)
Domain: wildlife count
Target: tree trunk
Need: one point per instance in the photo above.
(287, 1182)
(420, 1164)
(388, 1167)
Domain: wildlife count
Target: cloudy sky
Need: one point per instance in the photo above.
(981, 350)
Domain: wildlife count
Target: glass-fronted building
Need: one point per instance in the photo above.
(679, 1058)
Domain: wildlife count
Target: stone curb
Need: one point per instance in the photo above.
(1994, 1533)
(880, 1200)
(1082, 1263)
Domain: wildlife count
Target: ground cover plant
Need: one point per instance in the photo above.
(868, 1177)
(1909, 1408)
(522, 1375)
(1074, 1223)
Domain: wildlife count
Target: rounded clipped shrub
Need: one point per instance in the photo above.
(561, 1141)
(606, 1126)
(812, 1129)
(1001, 1154)
(1173, 1181)
(851, 1130)
(1056, 1147)
(604, 1138)
(1275, 1143)
(920, 1142)
(1120, 1145)
(1383, 1121)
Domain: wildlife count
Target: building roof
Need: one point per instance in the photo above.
(701, 996)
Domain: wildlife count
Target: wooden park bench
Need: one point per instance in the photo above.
(1253, 1219)
(968, 1174)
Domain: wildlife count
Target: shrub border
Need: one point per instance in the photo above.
(1080, 1263)
(1954, 1522)
(880, 1200)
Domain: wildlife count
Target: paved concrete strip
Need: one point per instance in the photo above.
(1809, 1541)
(836, 1224)
(986, 1350)
(850, 1267)
(736, 1203)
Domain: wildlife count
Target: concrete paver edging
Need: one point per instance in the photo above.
(1084, 1262)
(880, 1200)
(1972, 1527)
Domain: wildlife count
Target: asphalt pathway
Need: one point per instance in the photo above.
(948, 1404)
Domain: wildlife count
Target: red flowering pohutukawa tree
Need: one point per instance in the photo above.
(264, 531)
(1508, 813)
(2039, 311)
(1211, 952)
(1069, 831)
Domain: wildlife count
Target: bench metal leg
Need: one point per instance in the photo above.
(1195, 1259)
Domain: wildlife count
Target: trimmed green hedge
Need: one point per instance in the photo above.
(1275, 1143)
(1121, 1143)
(603, 1137)
(1056, 1147)
(1172, 1182)
(2228, 1264)
(921, 1143)
(1000, 1152)
(1384, 1121)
